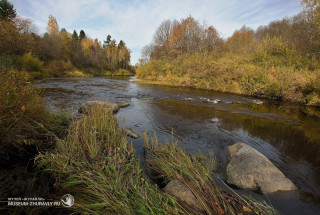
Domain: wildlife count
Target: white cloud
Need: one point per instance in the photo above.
(134, 21)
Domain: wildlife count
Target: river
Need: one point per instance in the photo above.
(288, 134)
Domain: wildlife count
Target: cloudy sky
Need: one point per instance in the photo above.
(135, 21)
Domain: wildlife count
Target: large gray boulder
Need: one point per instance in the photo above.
(182, 193)
(249, 169)
(87, 106)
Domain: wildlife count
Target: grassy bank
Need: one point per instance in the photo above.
(38, 69)
(25, 123)
(26, 128)
(97, 165)
(93, 161)
(250, 75)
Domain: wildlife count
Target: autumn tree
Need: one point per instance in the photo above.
(185, 37)
(59, 50)
(123, 55)
(312, 8)
(146, 53)
(17, 36)
(174, 38)
(25, 26)
(297, 30)
(160, 37)
(8, 38)
(7, 11)
(242, 41)
(52, 27)
(54, 46)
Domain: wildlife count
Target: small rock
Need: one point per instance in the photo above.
(249, 169)
(258, 102)
(123, 104)
(215, 101)
(131, 133)
(86, 107)
(182, 193)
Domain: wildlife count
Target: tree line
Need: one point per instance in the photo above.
(58, 49)
(175, 38)
(278, 61)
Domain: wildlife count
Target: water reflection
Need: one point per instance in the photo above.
(288, 134)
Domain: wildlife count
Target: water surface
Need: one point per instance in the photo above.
(288, 134)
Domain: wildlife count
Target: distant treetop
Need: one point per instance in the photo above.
(7, 12)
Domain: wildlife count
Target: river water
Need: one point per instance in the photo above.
(288, 134)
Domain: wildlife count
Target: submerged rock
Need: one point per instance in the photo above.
(258, 102)
(214, 101)
(86, 107)
(249, 169)
(123, 104)
(131, 133)
(182, 193)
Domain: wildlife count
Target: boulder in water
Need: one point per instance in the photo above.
(87, 106)
(131, 133)
(258, 102)
(182, 193)
(249, 169)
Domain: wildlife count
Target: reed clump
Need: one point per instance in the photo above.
(97, 165)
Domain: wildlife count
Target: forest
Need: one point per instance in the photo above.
(278, 61)
(57, 53)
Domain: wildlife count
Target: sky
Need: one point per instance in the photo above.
(135, 21)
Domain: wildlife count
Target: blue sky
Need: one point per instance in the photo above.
(135, 21)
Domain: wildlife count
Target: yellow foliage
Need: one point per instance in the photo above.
(52, 27)
(236, 74)
(77, 74)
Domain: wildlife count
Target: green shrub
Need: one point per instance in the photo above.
(10, 62)
(276, 52)
(122, 72)
(31, 63)
(58, 68)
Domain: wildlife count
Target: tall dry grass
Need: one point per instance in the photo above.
(169, 162)
(97, 165)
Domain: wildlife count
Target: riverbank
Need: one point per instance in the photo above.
(97, 165)
(90, 159)
(239, 75)
(34, 68)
